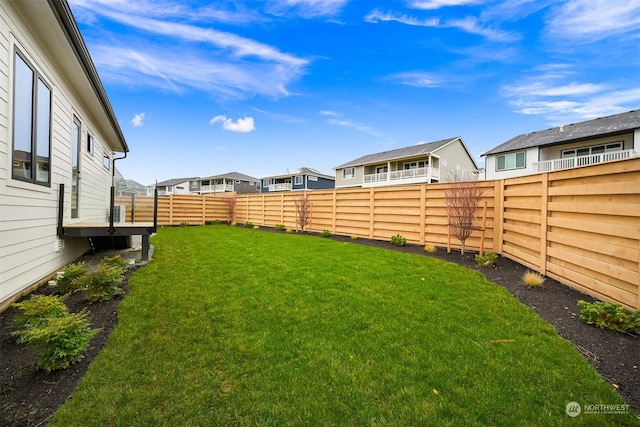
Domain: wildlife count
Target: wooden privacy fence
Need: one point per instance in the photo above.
(579, 226)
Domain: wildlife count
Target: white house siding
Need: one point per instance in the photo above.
(531, 157)
(555, 152)
(29, 248)
(458, 162)
(356, 181)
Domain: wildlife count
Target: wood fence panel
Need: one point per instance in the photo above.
(593, 230)
(321, 210)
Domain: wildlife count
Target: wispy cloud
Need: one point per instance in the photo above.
(416, 79)
(594, 19)
(336, 119)
(218, 61)
(437, 4)
(469, 24)
(241, 125)
(138, 120)
(305, 8)
(560, 101)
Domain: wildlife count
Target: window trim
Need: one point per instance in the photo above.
(37, 79)
(91, 142)
(299, 180)
(349, 176)
(604, 146)
(515, 161)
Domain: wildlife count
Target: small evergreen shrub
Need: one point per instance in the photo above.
(324, 233)
(104, 284)
(429, 249)
(279, 227)
(398, 240)
(184, 224)
(38, 309)
(68, 281)
(486, 260)
(610, 316)
(217, 222)
(59, 341)
(248, 224)
(114, 261)
(533, 279)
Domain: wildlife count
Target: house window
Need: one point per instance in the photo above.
(597, 149)
(348, 173)
(511, 161)
(265, 183)
(106, 161)
(415, 165)
(31, 124)
(382, 169)
(90, 144)
(299, 180)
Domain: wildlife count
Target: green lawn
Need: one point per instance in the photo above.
(232, 326)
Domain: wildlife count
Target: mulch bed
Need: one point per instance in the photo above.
(29, 397)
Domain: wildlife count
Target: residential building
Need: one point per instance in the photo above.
(57, 144)
(585, 143)
(424, 163)
(227, 182)
(173, 186)
(297, 179)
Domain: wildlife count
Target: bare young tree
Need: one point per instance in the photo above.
(303, 210)
(230, 204)
(462, 198)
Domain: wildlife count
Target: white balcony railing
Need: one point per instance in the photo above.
(285, 186)
(574, 162)
(218, 188)
(402, 176)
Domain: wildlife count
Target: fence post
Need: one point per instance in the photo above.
(544, 215)
(204, 209)
(333, 219)
(372, 201)
(498, 215)
(423, 213)
(170, 209)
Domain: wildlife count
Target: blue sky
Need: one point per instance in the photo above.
(259, 87)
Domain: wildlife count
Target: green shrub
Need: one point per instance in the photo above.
(398, 240)
(610, 316)
(324, 233)
(486, 260)
(279, 227)
(184, 224)
(248, 224)
(68, 281)
(59, 341)
(36, 310)
(104, 284)
(114, 261)
(217, 222)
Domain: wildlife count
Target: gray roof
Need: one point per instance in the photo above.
(604, 126)
(174, 181)
(301, 171)
(235, 176)
(398, 153)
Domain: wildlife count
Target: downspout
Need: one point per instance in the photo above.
(113, 192)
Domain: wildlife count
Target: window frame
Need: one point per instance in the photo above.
(515, 166)
(91, 142)
(350, 175)
(35, 103)
(606, 148)
(299, 180)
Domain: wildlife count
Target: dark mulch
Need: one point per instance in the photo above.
(28, 397)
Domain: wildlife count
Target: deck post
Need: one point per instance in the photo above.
(60, 209)
(112, 201)
(144, 256)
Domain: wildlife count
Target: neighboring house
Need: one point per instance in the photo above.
(227, 182)
(57, 131)
(297, 179)
(437, 161)
(580, 144)
(174, 186)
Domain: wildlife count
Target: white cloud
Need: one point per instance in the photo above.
(416, 79)
(306, 8)
(201, 57)
(469, 25)
(241, 125)
(138, 119)
(335, 120)
(594, 19)
(437, 4)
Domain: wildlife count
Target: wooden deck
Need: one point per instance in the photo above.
(95, 229)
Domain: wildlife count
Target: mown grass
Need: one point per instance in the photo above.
(231, 326)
